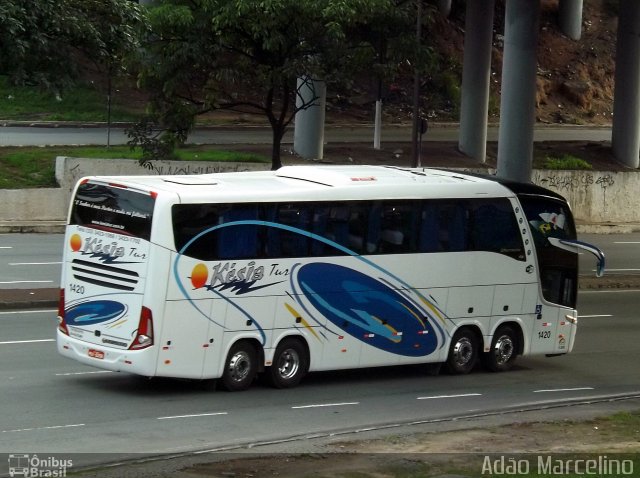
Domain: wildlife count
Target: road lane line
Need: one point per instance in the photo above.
(619, 270)
(450, 396)
(322, 405)
(594, 316)
(564, 389)
(626, 242)
(43, 428)
(43, 311)
(11, 342)
(612, 291)
(66, 374)
(194, 415)
(34, 263)
(27, 282)
(6, 247)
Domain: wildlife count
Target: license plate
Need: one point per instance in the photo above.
(97, 354)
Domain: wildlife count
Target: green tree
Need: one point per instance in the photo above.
(49, 42)
(246, 56)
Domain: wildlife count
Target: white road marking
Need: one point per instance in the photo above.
(626, 242)
(34, 263)
(564, 389)
(10, 312)
(451, 396)
(612, 291)
(321, 405)
(6, 247)
(618, 270)
(593, 316)
(27, 282)
(26, 341)
(82, 373)
(194, 415)
(43, 428)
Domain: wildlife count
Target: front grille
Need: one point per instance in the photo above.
(104, 275)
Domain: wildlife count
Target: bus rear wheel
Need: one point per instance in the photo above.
(290, 364)
(504, 350)
(463, 352)
(241, 367)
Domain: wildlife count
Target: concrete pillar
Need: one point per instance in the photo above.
(445, 7)
(625, 134)
(476, 77)
(377, 126)
(308, 135)
(570, 18)
(518, 99)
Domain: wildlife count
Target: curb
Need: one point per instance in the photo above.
(14, 299)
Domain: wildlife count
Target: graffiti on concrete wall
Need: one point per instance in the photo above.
(566, 183)
(572, 182)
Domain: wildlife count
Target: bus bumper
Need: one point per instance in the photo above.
(139, 362)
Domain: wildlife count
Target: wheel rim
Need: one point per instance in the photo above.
(239, 366)
(503, 349)
(463, 351)
(288, 364)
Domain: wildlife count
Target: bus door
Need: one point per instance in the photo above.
(554, 328)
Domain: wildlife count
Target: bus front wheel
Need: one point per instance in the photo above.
(240, 367)
(463, 352)
(504, 350)
(290, 364)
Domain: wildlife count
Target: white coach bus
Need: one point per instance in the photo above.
(315, 268)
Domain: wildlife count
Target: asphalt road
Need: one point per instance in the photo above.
(54, 405)
(34, 260)
(49, 136)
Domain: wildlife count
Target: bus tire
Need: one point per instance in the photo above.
(463, 352)
(290, 364)
(504, 350)
(241, 366)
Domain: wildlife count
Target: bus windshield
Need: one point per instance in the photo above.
(113, 209)
(551, 219)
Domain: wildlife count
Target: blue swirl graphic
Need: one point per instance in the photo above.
(367, 309)
(94, 312)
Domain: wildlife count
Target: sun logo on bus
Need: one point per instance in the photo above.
(75, 242)
(199, 276)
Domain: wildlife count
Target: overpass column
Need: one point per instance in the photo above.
(476, 77)
(308, 133)
(625, 134)
(570, 16)
(518, 100)
(445, 7)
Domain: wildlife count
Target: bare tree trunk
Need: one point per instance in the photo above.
(278, 133)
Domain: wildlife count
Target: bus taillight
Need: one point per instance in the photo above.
(144, 337)
(62, 325)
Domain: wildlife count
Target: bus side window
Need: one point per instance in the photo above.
(338, 225)
(398, 227)
(372, 240)
(293, 243)
(452, 227)
(319, 227)
(239, 241)
(428, 234)
(191, 220)
(495, 229)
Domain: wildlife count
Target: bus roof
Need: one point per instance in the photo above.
(317, 183)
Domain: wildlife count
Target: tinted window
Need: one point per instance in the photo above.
(364, 227)
(114, 209)
(547, 218)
